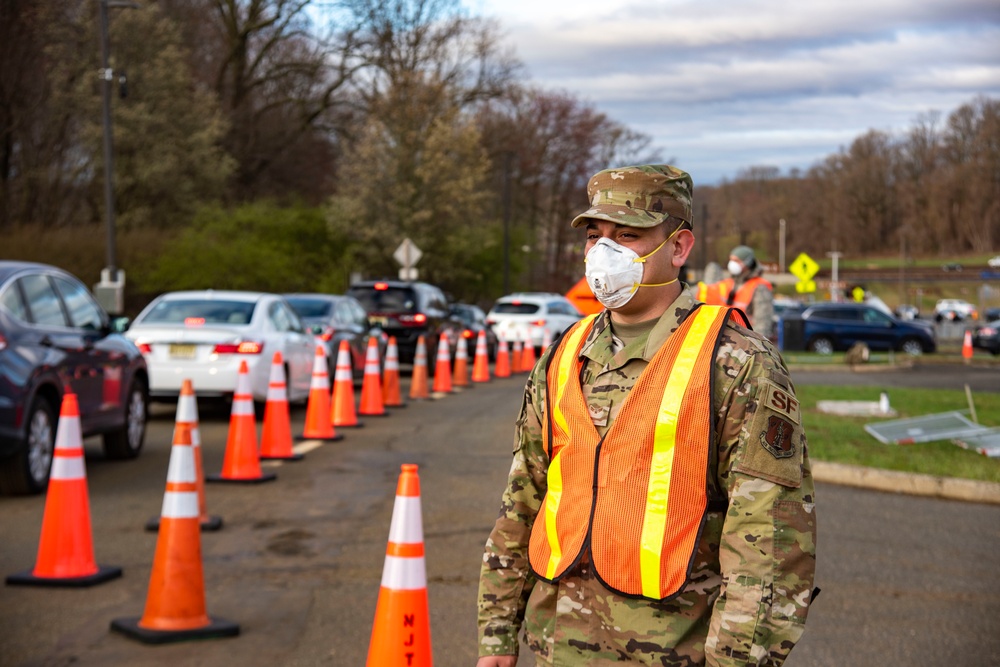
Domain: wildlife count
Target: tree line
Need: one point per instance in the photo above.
(293, 144)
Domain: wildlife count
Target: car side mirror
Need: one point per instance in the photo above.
(119, 324)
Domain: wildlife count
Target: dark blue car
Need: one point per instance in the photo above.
(829, 327)
(54, 338)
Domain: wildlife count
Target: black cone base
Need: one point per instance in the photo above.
(218, 628)
(104, 573)
(264, 477)
(212, 524)
(293, 457)
(335, 438)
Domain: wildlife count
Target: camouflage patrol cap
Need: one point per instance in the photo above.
(639, 196)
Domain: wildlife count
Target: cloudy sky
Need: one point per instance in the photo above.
(722, 85)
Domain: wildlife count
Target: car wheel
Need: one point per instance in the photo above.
(821, 345)
(912, 347)
(27, 471)
(126, 442)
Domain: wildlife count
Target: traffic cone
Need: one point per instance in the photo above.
(319, 424)
(66, 547)
(515, 357)
(460, 373)
(343, 389)
(442, 369)
(528, 355)
(391, 396)
(401, 634)
(418, 380)
(481, 362)
(276, 439)
(242, 460)
(967, 346)
(371, 386)
(546, 339)
(502, 366)
(175, 601)
(111, 388)
(187, 413)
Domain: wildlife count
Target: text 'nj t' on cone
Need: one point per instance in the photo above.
(402, 632)
(66, 547)
(175, 602)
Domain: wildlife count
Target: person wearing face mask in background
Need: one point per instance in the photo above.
(660, 507)
(745, 289)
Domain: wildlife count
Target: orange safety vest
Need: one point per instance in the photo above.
(643, 513)
(714, 294)
(744, 295)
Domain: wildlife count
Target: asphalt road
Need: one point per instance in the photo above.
(905, 580)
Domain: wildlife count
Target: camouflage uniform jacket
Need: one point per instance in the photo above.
(751, 582)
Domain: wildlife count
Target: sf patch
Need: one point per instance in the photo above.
(777, 437)
(772, 440)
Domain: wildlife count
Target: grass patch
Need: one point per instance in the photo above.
(840, 439)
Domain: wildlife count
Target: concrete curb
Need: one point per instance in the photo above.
(950, 488)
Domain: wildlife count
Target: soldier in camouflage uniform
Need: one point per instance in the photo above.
(761, 309)
(750, 581)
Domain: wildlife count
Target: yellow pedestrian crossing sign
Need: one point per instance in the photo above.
(804, 268)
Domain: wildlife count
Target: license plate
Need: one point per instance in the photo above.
(379, 321)
(178, 351)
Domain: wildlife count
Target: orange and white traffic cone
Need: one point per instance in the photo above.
(175, 601)
(502, 366)
(460, 373)
(418, 380)
(319, 424)
(515, 357)
(66, 546)
(528, 355)
(111, 388)
(391, 395)
(371, 386)
(344, 413)
(481, 362)
(241, 463)
(187, 413)
(546, 339)
(967, 350)
(276, 438)
(442, 368)
(401, 634)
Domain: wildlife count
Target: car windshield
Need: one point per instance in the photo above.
(515, 308)
(312, 309)
(199, 312)
(388, 299)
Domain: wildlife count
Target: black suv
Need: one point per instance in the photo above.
(55, 337)
(407, 310)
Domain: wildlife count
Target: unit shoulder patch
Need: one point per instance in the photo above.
(773, 441)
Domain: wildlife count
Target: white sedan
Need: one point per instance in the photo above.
(204, 335)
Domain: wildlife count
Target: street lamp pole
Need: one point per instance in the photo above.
(781, 245)
(109, 197)
(834, 287)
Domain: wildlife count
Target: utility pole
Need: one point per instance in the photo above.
(110, 292)
(781, 245)
(834, 287)
(508, 158)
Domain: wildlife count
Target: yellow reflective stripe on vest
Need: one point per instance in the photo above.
(568, 353)
(654, 522)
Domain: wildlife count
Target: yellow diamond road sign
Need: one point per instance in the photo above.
(804, 267)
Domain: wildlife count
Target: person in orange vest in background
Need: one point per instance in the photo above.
(744, 289)
(660, 507)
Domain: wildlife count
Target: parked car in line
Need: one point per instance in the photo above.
(954, 310)
(987, 337)
(994, 262)
(407, 310)
(54, 338)
(951, 266)
(528, 315)
(333, 318)
(204, 335)
(829, 327)
(472, 320)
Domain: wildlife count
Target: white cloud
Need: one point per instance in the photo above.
(731, 84)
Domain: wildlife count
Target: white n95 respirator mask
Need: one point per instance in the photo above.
(614, 272)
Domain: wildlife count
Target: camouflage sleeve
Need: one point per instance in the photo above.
(762, 306)
(505, 580)
(767, 552)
